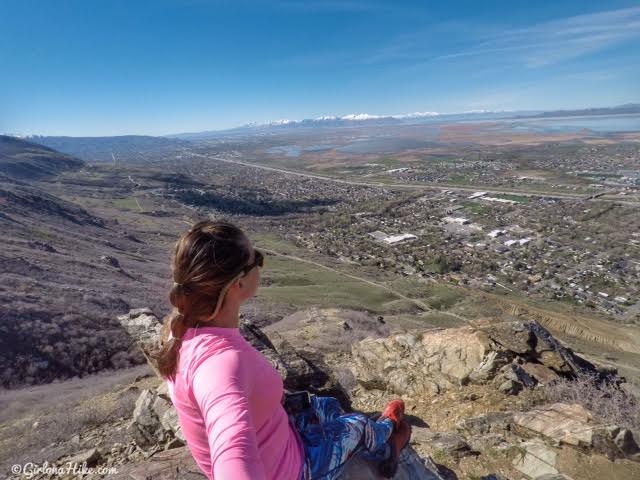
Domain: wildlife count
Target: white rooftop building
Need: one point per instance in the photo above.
(392, 239)
(395, 239)
(477, 195)
(458, 220)
(520, 241)
(500, 200)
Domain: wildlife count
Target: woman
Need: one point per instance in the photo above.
(229, 398)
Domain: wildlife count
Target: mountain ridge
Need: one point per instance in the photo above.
(362, 119)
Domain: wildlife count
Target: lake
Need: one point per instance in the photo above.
(596, 123)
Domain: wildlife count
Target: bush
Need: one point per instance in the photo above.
(604, 399)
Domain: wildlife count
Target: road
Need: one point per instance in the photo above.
(424, 186)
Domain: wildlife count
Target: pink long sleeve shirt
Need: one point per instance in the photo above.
(228, 399)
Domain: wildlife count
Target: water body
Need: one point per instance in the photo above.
(287, 150)
(597, 124)
(296, 150)
(384, 145)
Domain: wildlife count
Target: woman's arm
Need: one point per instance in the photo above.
(221, 391)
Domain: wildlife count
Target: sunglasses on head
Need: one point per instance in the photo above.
(258, 261)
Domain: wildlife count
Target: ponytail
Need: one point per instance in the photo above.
(165, 358)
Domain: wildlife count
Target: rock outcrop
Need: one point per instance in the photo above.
(297, 373)
(472, 364)
(155, 420)
(562, 424)
(513, 355)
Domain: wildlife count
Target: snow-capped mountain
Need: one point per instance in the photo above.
(352, 117)
(366, 119)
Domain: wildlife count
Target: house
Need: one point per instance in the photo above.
(382, 237)
(500, 200)
(402, 238)
(458, 220)
(476, 195)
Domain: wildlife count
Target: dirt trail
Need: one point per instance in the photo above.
(421, 305)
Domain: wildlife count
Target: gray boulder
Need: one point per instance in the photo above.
(538, 460)
(144, 328)
(573, 425)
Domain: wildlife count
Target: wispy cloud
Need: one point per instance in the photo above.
(535, 46)
(559, 40)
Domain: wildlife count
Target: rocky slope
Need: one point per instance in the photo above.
(67, 269)
(20, 159)
(474, 396)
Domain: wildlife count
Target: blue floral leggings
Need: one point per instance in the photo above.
(331, 436)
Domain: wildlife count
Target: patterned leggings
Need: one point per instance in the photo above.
(331, 437)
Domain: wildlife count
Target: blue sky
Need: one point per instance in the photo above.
(111, 67)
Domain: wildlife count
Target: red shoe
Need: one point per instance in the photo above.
(398, 440)
(394, 411)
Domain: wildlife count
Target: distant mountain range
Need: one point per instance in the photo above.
(108, 149)
(628, 108)
(365, 119)
(351, 120)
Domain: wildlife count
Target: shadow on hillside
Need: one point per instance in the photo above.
(250, 204)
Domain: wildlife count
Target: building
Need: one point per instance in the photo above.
(397, 239)
(521, 241)
(500, 200)
(458, 220)
(477, 195)
(496, 233)
(382, 237)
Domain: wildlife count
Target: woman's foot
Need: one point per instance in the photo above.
(397, 441)
(394, 411)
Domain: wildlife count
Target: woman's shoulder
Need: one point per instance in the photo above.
(213, 352)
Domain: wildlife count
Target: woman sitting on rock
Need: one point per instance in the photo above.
(229, 398)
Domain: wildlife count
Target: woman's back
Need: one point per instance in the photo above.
(228, 399)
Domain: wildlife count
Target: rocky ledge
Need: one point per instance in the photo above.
(475, 398)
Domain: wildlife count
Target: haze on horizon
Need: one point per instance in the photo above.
(114, 67)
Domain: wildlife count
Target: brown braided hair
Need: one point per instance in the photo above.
(207, 257)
